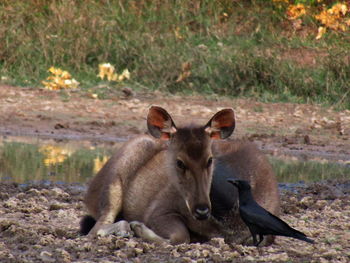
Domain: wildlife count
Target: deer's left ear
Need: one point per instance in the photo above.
(221, 125)
(160, 124)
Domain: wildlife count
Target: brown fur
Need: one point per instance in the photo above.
(144, 181)
(251, 165)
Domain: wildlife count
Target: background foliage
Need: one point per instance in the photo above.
(232, 48)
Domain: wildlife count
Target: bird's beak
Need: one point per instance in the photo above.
(233, 181)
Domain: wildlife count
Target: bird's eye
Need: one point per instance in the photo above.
(180, 164)
(210, 161)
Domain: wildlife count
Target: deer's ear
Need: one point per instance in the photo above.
(160, 124)
(221, 125)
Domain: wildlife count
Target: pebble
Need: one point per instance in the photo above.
(307, 201)
(63, 255)
(46, 256)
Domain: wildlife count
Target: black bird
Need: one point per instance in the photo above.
(260, 221)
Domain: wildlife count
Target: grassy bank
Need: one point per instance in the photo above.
(233, 48)
(293, 171)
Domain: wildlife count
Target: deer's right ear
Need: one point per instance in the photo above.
(160, 124)
(221, 125)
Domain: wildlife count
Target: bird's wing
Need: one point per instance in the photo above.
(268, 223)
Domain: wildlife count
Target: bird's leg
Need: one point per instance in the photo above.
(261, 238)
(255, 242)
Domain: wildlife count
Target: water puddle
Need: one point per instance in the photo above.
(29, 159)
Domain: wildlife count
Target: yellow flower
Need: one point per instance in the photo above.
(321, 31)
(338, 9)
(59, 80)
(295, 11)
(334, 17)
(107, 70)
(125, 75)
(347, 22)
(55, 71)
(65, 75)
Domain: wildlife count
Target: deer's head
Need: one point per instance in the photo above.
(190, 156)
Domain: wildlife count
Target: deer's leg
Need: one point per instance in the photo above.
(123, 165)
(120, 228)
(109, 208)
(142, 231)
(171, 228)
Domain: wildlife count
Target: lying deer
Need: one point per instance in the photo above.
(165, 181)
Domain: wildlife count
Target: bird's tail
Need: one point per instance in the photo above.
(301, 236)
(86, 224)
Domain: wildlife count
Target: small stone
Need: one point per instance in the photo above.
(330, 253)
(46, 256)
(205, 253)
(119, 243)
(217, 241)
(216, 257)
(120, 254)
(193, 253)
(131, 243)
(186, 260)
(138, 251)
(250, 258)
(320, 204)
(11, 203)
(235, 254)
(63, 255)
(278, 257)
(323, 260)
(57, 206)
(34, 192)
(307, 201)
(175, 254)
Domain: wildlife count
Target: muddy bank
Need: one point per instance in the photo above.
(299, 130)
(39, 223)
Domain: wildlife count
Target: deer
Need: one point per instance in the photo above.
(172, 185)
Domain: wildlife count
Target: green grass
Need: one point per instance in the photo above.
(310, 171)
(249, 52)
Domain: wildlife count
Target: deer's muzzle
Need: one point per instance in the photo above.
(201, 212)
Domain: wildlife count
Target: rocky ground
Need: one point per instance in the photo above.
(39, 223)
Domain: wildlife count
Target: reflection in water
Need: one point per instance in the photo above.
(49, 160)
(54, 154)
(25, 159)
(99, 163)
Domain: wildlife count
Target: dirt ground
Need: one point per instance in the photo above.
(39, 223)
(307, 131)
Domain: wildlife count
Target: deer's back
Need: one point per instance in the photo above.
(242, 160)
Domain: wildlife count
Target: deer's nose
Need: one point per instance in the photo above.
(202, 212)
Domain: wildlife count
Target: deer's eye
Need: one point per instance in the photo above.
(180, 164)
(210, 161)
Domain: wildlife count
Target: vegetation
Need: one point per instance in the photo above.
(264, 49)
(308, 171)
